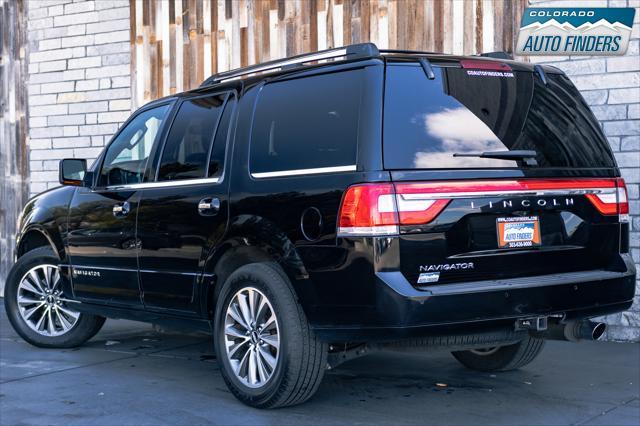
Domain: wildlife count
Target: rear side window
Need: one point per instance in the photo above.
(427, 121)
(307, 123)
(188, 147)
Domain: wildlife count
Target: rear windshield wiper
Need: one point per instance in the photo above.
(526, 156)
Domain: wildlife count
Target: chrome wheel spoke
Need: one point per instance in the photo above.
(63, 321)
(39, 303)
(47, 277)
(269, 359)
(26, 285)
(244, 309)
(271, 339)
(240, 364)
(270, 322)
(35, 280)
(28, 301)
(232, 331)
(72, 314)
(29, 312)
(233, 347)
(252, 296)
(56, 279)
(50, 324)
(263, 374)
(253, 367)
(42, 318)
(261, 309)
(251, 336)
(233, 312)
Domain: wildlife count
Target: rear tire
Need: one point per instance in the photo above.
(32, 292)
(502, 358)
(287, 360)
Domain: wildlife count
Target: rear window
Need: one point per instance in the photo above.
(307, 123)
(427, 121)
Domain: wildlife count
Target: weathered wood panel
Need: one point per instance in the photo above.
(14, 168)
(178, 43)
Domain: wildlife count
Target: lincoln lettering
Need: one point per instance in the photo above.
(526, 202)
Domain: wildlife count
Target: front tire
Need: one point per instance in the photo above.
(268, 354)
(37, 309)
(502, 358)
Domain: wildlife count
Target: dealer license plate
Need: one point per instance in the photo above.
(517, 232)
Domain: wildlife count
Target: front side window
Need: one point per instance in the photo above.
(188, 145)
(307, 123)
(127, 155)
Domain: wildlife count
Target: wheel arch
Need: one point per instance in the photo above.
(250, 239)
(35, 237)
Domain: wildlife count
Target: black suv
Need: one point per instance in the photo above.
(310, 210)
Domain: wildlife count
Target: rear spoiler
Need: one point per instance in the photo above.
(497, 55)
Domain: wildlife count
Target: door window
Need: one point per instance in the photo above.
(188, 145)
(127, 155)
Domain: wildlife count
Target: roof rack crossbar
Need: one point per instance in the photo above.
(353, 51)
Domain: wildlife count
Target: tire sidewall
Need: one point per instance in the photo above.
(237, 281)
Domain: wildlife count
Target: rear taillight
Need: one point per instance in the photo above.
(611, 199)
(368, 210)
(380, 209)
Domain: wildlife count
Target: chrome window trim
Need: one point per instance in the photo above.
(164, 184)
(539, 193)
(302, 172)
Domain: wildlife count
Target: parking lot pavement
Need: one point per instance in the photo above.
(130, 374)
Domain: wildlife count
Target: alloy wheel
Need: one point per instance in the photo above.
(252, 337)
(41, 303)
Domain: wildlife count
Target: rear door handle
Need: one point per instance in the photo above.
(209, 206)
(121, 209)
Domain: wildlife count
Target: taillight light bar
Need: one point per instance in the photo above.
(378, 209)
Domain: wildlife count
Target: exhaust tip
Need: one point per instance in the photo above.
(598, 330)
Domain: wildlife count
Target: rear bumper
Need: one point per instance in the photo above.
(400, 310)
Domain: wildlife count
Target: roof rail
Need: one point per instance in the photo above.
(497, 55)
(406, 52)
(354, 51)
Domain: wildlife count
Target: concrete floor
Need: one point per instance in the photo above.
(129, 374)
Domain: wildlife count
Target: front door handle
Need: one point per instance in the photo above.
(121, 209)
(209, 206)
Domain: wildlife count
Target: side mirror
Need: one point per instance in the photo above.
(72, 171)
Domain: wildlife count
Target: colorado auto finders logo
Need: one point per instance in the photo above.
(575, 31)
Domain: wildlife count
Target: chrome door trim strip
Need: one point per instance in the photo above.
(538, 193)
(164, 184)
(301, 172)
(148, 271)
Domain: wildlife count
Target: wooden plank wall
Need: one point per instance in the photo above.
(176, 44)
(14, 168)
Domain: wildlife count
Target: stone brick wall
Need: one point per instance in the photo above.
(79, 81)
(611, 86)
